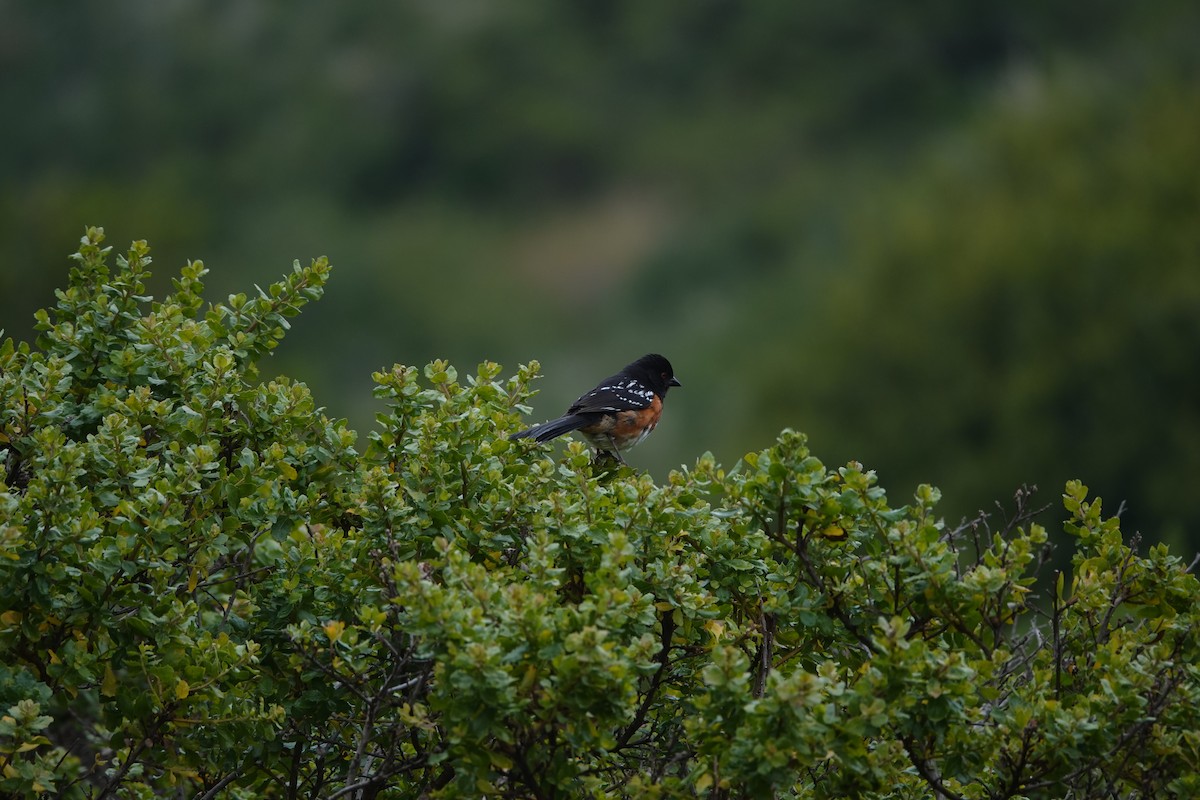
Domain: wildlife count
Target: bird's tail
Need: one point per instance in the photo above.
(555, 427)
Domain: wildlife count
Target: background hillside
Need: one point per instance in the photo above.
(957, 242)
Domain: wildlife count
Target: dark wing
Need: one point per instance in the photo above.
(618, 393)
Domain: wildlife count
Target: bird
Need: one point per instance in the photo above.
(620, 412)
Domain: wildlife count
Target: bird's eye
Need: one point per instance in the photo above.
(665, 376)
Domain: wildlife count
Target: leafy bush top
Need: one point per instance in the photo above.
(205, 589)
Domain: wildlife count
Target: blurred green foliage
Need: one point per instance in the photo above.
(957, 241)
(207, 591)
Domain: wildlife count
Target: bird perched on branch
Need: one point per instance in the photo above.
(621, 411)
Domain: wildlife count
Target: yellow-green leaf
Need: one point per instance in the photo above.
(108, 686)
(333, 629)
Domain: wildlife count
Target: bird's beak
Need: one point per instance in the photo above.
(675, 382)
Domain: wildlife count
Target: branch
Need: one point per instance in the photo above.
(1018, 764)
(133, 758)
(219, 785)
(931, 777)
(765, 649)
(364, 736)
(835, 606)
(668, 632)
(354, 787)
(528, 777)
(1119, 595)
(1054, 626)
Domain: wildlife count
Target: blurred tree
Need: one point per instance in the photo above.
(474, 169)
(1034, 312)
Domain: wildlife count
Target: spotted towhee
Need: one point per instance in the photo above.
(619, 412)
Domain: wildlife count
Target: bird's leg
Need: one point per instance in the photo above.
(615, 449)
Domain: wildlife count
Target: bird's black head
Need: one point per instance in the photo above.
(654, 371)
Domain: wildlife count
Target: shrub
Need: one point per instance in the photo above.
(206, 590)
